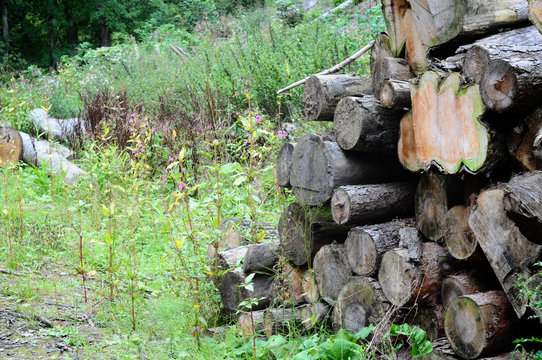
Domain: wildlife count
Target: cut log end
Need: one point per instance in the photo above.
(535, 13)
(395, 94)
(498, 85)
(11, 146)
(457, 236)
(431, 205)
(284, 165)
(475, 63)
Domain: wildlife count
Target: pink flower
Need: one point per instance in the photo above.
(181, 185)
(282, 134)
(258, 118)
(170, 159)
(164, 179)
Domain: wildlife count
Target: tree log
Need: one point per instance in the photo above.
(332, 271)
(303, 231)
(395, 94)
(535, 13)
(232, 258)
(310, 288)
(359, 304)
(261, 257)
(231, 239)
(404, 282)
(11, 146)
(478, 324)
(507, 250)
(525, 142)
(66, 130)
(456, 234)
(288, 284)
(232, 293)
(322, 93)
(429, 319)
(364, 204)
(320, 166)
(245, 321)
(444, 129)
(365, 245)
(314, 314)
(284, 165)
(462, 283)
(283, 320)
(364, 124)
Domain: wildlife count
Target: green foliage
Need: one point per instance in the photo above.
(289, 11)
(341, 346)
(420, 345)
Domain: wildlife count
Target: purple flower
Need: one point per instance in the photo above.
(282, 134)
(170, 159)
(164, 179)
(181, 185)
(258, 118)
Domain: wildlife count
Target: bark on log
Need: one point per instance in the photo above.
(364, 204)
(288, 284)
(261, 257)
(232, 293)
(444, 129)
(359, 304)
(66, 130)
(478, 324)
(320, 166)
(245, 323)
(507, 250)
(456, 234)
(395, 94)
(525, 142)
(365, 245)
(405, 282)
(310, 288)
(11, 146)
(332, 271)
(322, 93)
(384, 64)
(303, 231)
(535, 13)
(429, 319)
(462, 283)
(283, 320)
(416, 25)
(365, 124)
(284, 165)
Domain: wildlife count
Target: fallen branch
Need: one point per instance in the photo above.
(178, 51)
(9, 272)
(344, 5)
(333, 69)
(38, 318)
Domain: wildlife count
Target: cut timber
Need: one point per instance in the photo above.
(359, 304)
(365, 245)
(456, 234)
(261, 257)
(535, 13)
(283, 320)
(284, 165)
(444, 129)
(246, 321)
(479, 323)
(386, 65)
(232, 293)
(405, 282)
(319, 166)
(462, 283)
(232, 258)
(314, 314)
(364, 204)
(525, 142)
(417, 25)
(322, 93)
(395, 94)
(231, 239)
(66, 130)
(11, 146)
(303, 231)
(429, 319)
(507, 250)
(310, 288)
(365, 124)
(332, 271)
(523, 204)
(288, 284)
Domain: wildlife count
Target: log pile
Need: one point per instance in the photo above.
(427, 199)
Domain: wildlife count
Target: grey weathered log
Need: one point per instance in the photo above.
(261, 257)
(304, 230)
(456, 234)
(66, 130)
(395, 94)
(365, 124)
(429, 319)
(232, 257)
(11, 146)
(463, 283)
(314, 314)
(319, 166)
(230, 238)
(284, 165)
(282, 320)
(365, 204)
(232, 293)
(322, 93)
(525, 141)
(332, 271)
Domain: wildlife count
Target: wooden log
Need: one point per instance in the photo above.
(304, 230)
(359, 304)
(429, 319)
(231, 238)
(261, 257)
(456, 234)
(443, 128)
(462, 283)
(479, 324)
(509, 252)
(535, 13)
(233, 294)
(322, 93)
(395, 94)
(251, 324)
(232, 258)
(284, 320)
(332, 271)
(66, 130)
(11, 146)
(415, 26)
(319, 166)
(310, 288)
(385, 64)
(404, 282)
(288, 284)
(365, 245)
(365, 204)
(284, 165)
(525, 142)
(365, 124)
(314, 314)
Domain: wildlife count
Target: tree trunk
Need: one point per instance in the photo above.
(105, 39)
(525, 142)
(319, 166)
(5, 25)
(364, 124)
(395, 94)
(462, 283)
(11, 146)
(245, 321)
(478, 324)
(456, 234)
(366, 245)
(303, 231)
(284, 165)
(232, 293)
(261, 257)
(404, 282)
(322, 93)
(310, 288)
(332, 271)
(359, 304)
(507, 250)
(429, 319)
(66, 130)
(288, 285)
(365, 204)
(535, 13)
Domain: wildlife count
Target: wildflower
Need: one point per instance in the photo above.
(258, 118)
(181, 185)
(170, 159)
(282, 134)
(163, 179)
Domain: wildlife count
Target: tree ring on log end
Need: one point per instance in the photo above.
(11, 146)
(450, 290)
(431, 205)
(475, 62)
(457, 237)
(341, 206)
(499, 85)
(465, 327)
(313, 104)
(397, 286)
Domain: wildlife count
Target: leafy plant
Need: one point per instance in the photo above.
(416, 336)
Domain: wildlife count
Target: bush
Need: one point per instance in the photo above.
(289, 12)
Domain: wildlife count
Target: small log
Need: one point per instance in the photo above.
(462, 283)
(332, 271)
(404, 282)
(429, 319)
(479, 324)
(322, 93)
(395, 94)
(509, 252)
(411, 241)
(443, 128)
(303, 231)
(233, 294)
(314, 314)
(359, 304)
(319, 166)
(282, 320)
(456, 234)
(11, 146)
(535, 13)
(364, 204)
(385, 64)
(232, 258)
(365, 124)
(284, 165)
(525, 142)
(310, 288)
(288, 284)
(261, 257)
(231, 239)
(365, 245)
(66, 130)
(246, 321)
